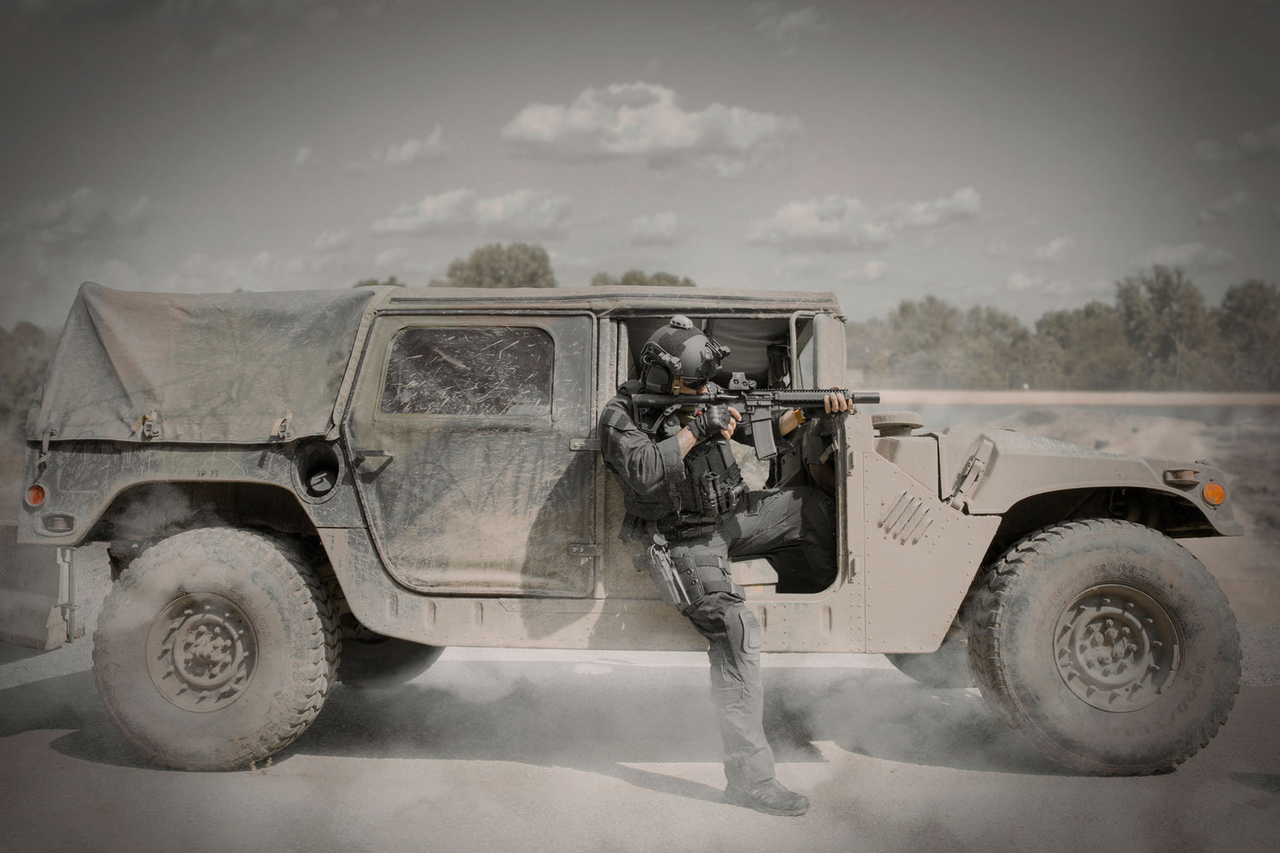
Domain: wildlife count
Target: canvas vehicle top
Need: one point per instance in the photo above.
(426, 459)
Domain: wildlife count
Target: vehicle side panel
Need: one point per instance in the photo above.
(86, 478)
(922, 556)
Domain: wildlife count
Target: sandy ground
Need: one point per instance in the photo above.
(497, 750)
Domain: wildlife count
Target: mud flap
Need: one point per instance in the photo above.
(33, 590)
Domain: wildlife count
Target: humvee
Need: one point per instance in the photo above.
(305, 488)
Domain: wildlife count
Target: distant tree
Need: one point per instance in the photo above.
(926, 350)
(1249, 328)
(1087, 349)
(637, 278)
(495, 265)
(391, 281)
(24, 355)
(996, 350)
(923, 326)
(1165, 319)
(869, 345)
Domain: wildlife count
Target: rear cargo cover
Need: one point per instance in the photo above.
(212, 367)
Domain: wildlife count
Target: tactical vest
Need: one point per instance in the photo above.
(713, 482)
(714, 485)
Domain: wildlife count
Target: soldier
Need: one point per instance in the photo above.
(685, 497)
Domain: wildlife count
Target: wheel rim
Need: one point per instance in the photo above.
(201, 652)
(1116, 648)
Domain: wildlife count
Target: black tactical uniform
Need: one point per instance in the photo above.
(702, 508)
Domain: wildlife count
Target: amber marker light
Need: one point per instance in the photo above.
(35, 495)
(1214, 494)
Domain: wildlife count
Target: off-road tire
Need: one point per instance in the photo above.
(374, 661)
(1053, 620)
(947, 668)
(215, 649)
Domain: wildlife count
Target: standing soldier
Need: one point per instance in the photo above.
(686, 499)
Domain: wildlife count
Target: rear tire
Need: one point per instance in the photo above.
(215, 649)
(1107, 645)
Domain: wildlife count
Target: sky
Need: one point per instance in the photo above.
(1021, 155)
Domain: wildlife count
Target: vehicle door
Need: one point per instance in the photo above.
(467, 436)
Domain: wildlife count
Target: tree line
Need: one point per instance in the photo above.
(1159, 334)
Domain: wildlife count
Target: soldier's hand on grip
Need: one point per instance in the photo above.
(717, 418)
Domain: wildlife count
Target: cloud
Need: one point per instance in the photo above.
(333, 241)
(1223, 207)
(80, 220)
(655, 229)
(1251, 145)
(1055, 251)
(962, 204)
(450, 211)
(216, 29)
(1263, 143)
(407, 153)
(524, 213)
(401, 262)
(305, 157)
(785, 28)
(390, 257)
(997, 249)
(1064, 290)
(645, 122)
(59, 243)
(1022, 281)
(265, 270)
(837, 224)
(870, 271)
(1194, 257)
(828, 224)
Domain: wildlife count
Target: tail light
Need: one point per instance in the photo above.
(35, 495)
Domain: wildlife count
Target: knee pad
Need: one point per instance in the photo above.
(743, 628)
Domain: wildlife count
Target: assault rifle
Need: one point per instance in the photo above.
(756, 406)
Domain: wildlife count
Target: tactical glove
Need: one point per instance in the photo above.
(711, 421)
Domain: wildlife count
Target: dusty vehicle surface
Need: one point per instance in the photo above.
(304, 488)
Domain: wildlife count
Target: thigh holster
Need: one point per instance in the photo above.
(703, 574)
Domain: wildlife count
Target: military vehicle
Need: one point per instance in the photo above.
(306, 488)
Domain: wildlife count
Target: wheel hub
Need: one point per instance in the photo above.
(201, 652)
(1116, 648)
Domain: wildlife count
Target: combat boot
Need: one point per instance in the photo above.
(770, 797)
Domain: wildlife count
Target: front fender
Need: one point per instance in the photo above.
(1015, 466)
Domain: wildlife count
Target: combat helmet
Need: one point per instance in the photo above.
(679, 350)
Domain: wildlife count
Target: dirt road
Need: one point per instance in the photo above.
(558, 751)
